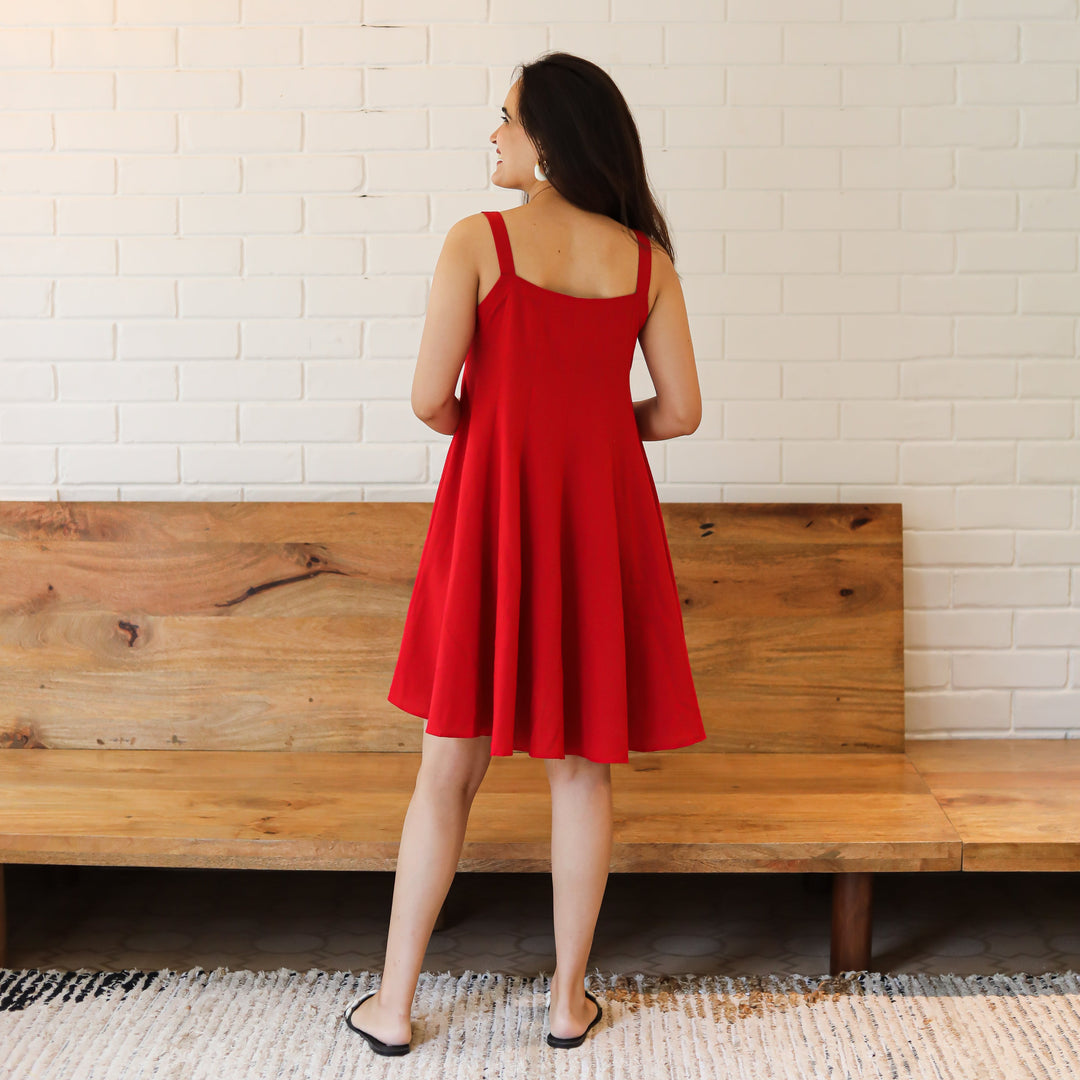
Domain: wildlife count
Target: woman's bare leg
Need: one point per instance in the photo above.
(450, 774)
(581, 823)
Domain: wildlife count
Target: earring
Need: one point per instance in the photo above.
(538, 173)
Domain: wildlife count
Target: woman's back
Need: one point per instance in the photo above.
(569, 251)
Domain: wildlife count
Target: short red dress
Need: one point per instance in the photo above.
(545, 611)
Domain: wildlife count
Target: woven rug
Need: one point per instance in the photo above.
(224, 1024)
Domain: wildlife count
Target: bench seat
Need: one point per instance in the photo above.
(345, 811)
(847, 814)
(1014, 802)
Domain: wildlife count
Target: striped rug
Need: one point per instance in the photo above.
(225, 1024)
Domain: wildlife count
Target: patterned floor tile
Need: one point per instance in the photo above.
(111, 918)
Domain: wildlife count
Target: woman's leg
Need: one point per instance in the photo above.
(450, 774)
(580, 857)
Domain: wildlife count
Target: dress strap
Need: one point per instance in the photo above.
(502, 240)
(644, 268)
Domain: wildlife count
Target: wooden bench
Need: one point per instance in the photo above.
(205, 684)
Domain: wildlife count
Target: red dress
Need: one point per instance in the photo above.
(545, 611)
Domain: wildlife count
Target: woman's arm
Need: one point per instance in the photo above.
(669, 356)
(445, 420)
(448, 331)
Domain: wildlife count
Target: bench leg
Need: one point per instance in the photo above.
(852, 910)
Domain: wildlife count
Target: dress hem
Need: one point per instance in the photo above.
(414, 711)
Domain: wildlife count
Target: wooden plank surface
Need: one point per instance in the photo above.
(1014, 802)
(275, 626)
(672, 812)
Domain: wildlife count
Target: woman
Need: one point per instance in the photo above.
(544, 617)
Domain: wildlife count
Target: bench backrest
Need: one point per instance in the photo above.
(275, 626)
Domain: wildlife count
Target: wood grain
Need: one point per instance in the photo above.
(276, 626)
(1015, 803)
(324, 810)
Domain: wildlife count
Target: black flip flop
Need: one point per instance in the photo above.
(577, 1040)
(386, 1049)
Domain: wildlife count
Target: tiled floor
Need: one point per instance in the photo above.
(112, 918)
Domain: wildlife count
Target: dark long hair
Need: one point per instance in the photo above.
(588, 143)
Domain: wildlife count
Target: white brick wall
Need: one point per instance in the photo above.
(217, 235)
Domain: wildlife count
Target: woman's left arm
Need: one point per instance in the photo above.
(448, 331)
